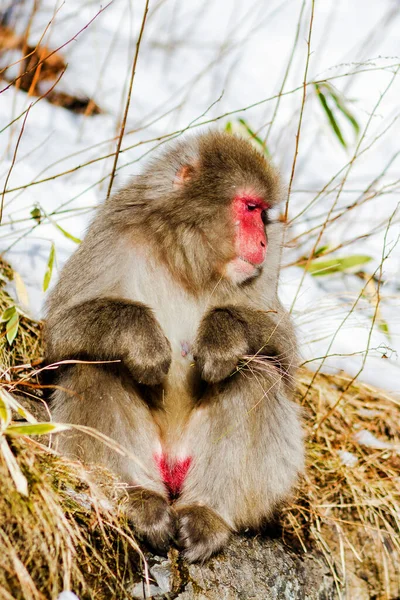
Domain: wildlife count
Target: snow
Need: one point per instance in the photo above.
(347, 458)
(198, 61)
(368, 439)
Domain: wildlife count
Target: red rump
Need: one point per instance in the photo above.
(173, 474)
(251, 240)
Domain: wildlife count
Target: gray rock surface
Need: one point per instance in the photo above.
(260, 569)
(249, 569)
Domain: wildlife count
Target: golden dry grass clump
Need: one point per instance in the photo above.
(62, 536)
(27, 344)
(349, 502)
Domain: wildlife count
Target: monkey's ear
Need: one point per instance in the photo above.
(184, 174)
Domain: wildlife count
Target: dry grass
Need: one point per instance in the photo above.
(352, 511)
(27, 346)
(63, 536)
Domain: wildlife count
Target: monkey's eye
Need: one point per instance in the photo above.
(264, 217)
(252, 207)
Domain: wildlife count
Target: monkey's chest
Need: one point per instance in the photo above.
(186, 349)
(180, 318)
(180, 324)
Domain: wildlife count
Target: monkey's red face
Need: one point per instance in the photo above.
(249, 217)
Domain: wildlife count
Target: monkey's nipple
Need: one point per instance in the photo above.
(186, 348)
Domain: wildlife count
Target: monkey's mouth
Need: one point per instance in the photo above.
(246, 266)
(240, 269)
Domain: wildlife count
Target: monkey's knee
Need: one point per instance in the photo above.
(201, 532)
(153, 518)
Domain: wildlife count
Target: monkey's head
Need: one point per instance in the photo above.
(208, 201)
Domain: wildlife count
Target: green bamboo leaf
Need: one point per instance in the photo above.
(35, 429)
(66, 233)
(12, 328)
(340, 103)
(254, 136)
(383, 326)
(36, 214)
(8, 313)
(5, 414)
(321, 267)
(50, 265)
(63, 231)
(330, 115)
(228, 127)
(320, 250)
(15, 405)
(18, 477)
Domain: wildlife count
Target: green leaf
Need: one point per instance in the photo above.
(228, 127)
(5, 414)
(383, 326)
(36, 214)
(344, 110)
(8, 313)
(15, 405)
(320, 250)
(321, 267)
(49, 270)
(67, 235)
(22, 293)
(330, 115)
(35, 429)
(254, 136)
(12, 328)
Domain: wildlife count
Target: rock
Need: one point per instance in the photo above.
(249, 569)
(260, 569)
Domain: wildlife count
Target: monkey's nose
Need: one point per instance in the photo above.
(262, 244)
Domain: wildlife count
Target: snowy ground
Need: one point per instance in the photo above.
(199, 61)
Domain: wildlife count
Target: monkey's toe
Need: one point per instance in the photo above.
(153, 518)
(201, 532)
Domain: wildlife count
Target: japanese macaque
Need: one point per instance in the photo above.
(176, 281)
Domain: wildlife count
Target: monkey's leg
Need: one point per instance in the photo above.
(245, 440)
(99, 397)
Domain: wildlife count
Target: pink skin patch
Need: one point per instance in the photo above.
(251, 239)
(173, 474)
(186, 348)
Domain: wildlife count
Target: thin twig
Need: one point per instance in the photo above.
(296, 151)
(128, 100)
(13, 161)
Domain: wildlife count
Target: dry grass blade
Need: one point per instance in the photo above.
(63, 535)
(27, 346)
(351, 492)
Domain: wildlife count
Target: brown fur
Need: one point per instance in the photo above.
(148, 287)
(153, 518)
(201, 532)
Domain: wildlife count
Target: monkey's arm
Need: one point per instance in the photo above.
(111, 329)
(229, 333)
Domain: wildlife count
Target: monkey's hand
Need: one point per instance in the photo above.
(108, 329)
(229, 334)
(220, 343)
(148, 353)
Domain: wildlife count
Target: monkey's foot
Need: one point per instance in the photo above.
(153, 518)
(201, 532)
